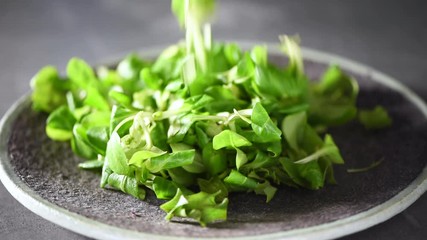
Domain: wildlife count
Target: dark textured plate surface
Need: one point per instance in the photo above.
(49, 170)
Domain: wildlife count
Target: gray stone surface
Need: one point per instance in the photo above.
(387, 35)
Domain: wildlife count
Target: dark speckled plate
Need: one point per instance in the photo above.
(43, 176)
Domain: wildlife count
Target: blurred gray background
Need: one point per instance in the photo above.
(390, 36)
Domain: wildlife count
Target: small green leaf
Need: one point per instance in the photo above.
(170, 160)
(163, 188)
(244, 69)
(95, 119)
(150, 79)
(92, 164)
(168, 65)
(182, 177)
(214, 185)
(266, 189)
(224, 99)
(48, 90)
(198, 9)
(274, 148)
(262, 160)
(121, 119)
(376, 118)
(270, 82)
(120, 98)
(293, 127)
(237, 179)
(126, 184)
(96, 100)
(333, 99)
(324, 112)
(98, 137)
(307, 175)
(200, 101)
(59, 124)
(79, 143)
(195, 81)
(333, 156)
(325, 151)
(364, 169)
(215, 160)
(159, 135)
(336, 83)
(174, 204)
(80, 73)
(204, 208)
(241, 158)
(233, 53)
(229, 139)
(263, 126)
(202, 137)
(130, 67)
(196, 166)
(179, 128)
(290, 46)
(139, 157)
(200, 206)
(259, 55)
(106, 172)
(116, 156)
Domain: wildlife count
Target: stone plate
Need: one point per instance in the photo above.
(43, 176)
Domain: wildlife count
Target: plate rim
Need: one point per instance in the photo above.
(338, 228)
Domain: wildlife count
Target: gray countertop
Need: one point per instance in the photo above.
(390, 36)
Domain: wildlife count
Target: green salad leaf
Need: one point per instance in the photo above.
(376, 118)
(201, 206)
(49, 90)
(202, 120)
(59, 125)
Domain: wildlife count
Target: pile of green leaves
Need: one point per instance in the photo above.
(202, 120)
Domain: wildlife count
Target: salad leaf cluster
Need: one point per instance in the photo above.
(202, 120)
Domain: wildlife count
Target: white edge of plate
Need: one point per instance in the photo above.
(92, 228)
